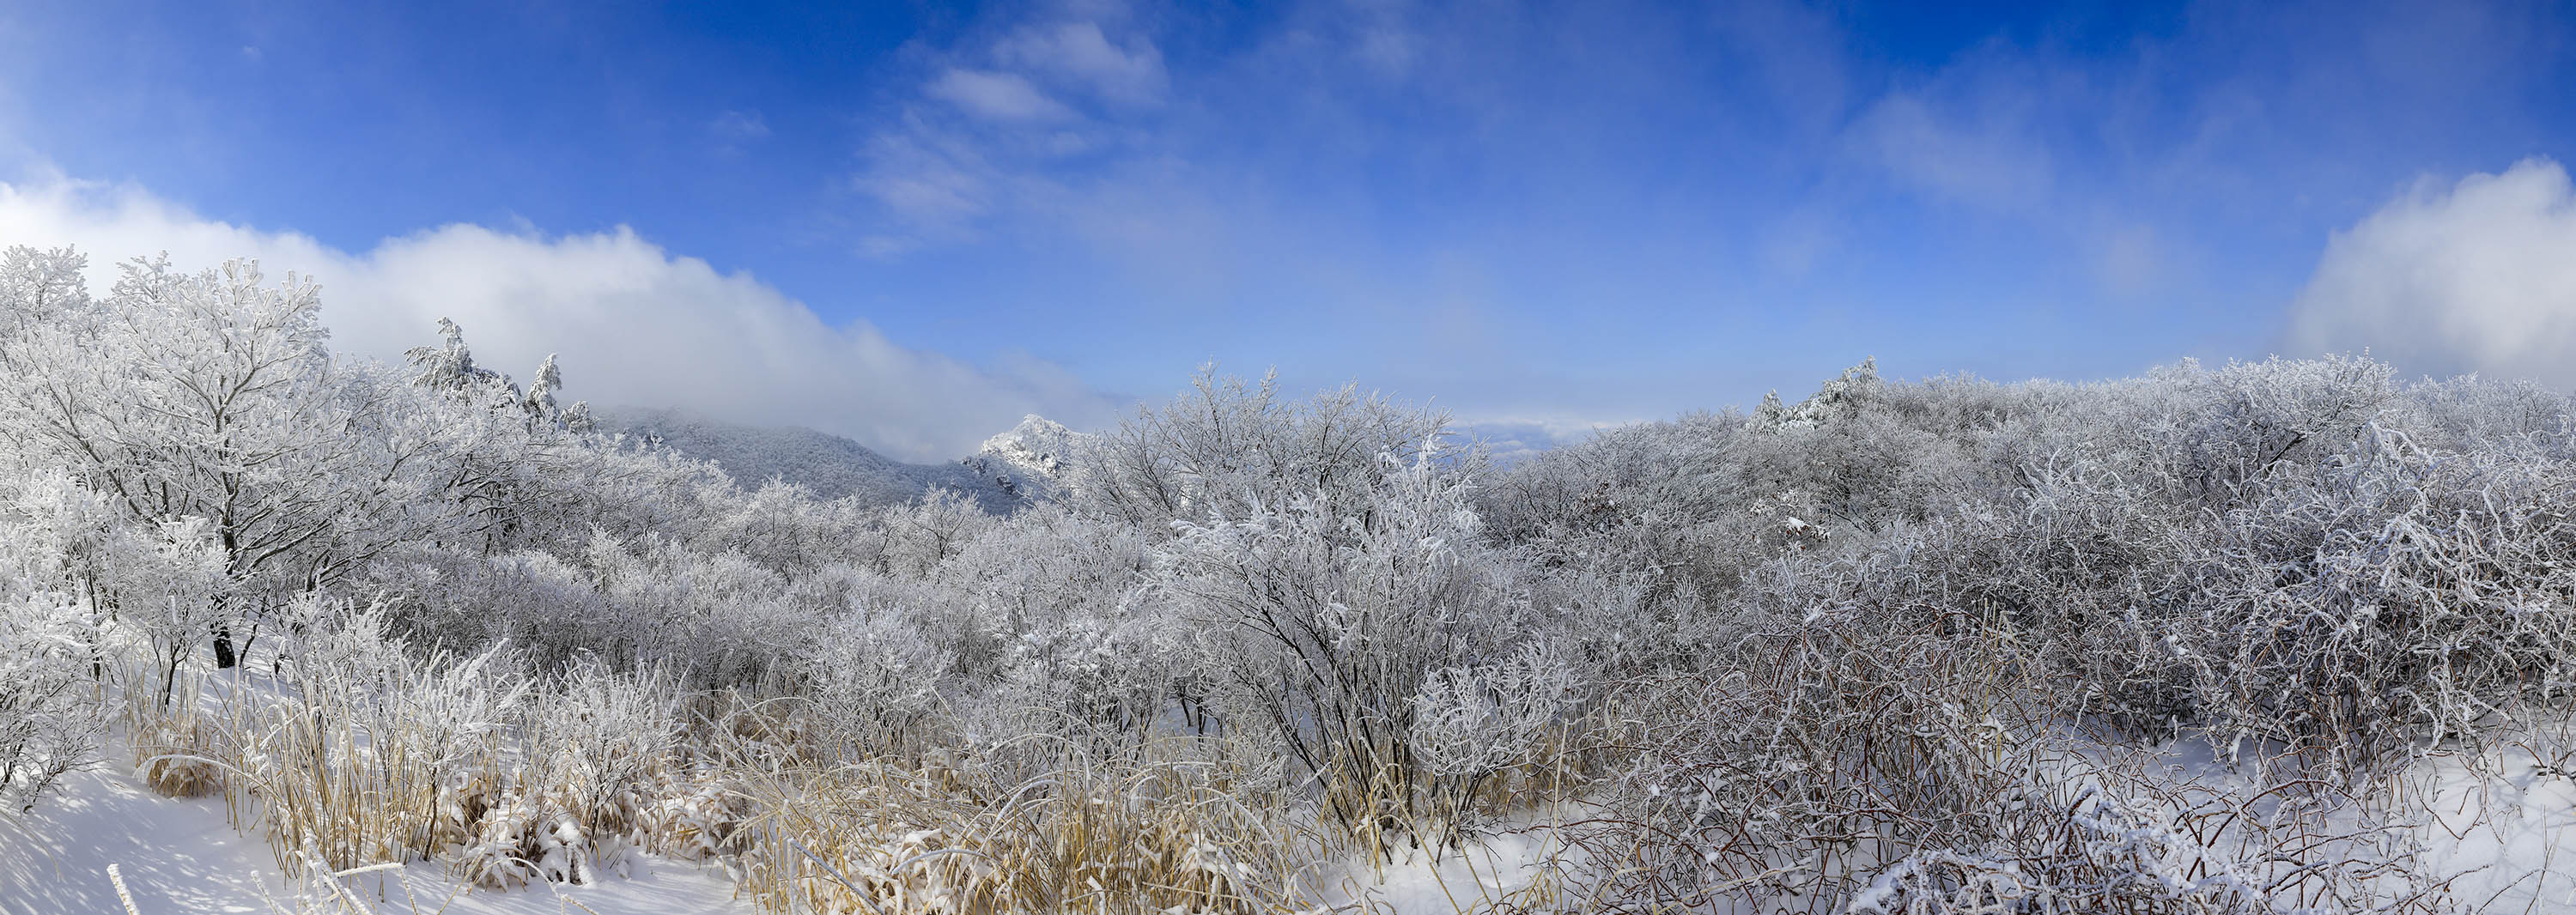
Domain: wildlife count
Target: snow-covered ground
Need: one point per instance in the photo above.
(2510, 839)
(176, 855)
(1497, 873)
(183, 856)
(2508, 842)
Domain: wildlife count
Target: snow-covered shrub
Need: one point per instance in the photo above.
(51, 650)
(38, 285)
(1226, 444)
(785, 528)
(1039, 608)
(49, 710)
(549, 610)
(2295, 560)
(1322, 626)
(2389, 597)
(927, 533)
(2104, 840)
(1698, 503)
(2210, 437)
(1088, 679)
(713, 619)
(54, 532)
(1869, 759)
(2475, 414)
(1474, 720)
(2342, 586)
(1846, 452)
(1817, 748)
(875, 681)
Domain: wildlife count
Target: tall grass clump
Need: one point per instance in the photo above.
(360, 750)
(1155, 830)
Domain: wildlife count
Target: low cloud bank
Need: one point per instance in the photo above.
(2473, 276)
(634, 323)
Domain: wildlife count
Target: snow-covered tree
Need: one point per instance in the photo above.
(38, 285)
(213, 395)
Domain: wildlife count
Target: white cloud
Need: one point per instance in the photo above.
(2474, 276)
(996, 96)
(635, 324)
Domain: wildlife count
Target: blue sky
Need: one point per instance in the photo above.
(1565, 214)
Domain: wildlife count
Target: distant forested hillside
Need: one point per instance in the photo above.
(832, 466)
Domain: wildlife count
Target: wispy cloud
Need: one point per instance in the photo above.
(1131, 74)
(996, 96)
(734, 130)
(995, 126)
(1974, 152)
(931, 181)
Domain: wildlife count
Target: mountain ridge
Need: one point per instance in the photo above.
(834, 466)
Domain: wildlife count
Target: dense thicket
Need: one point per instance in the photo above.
(1887, 648)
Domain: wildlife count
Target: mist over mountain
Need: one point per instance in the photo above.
(1017, 467)
(832, 466)
(1510, 442)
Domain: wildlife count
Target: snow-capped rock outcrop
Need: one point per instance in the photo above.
(1032, 460)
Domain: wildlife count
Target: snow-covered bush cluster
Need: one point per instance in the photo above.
(50, 710)
(1896, 647)
(1937, 595)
